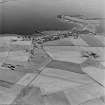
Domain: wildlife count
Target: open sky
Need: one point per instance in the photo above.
(26, 15)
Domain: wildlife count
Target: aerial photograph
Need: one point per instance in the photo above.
(52, 52)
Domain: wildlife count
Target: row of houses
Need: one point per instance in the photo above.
(42, 38)
(46, 38)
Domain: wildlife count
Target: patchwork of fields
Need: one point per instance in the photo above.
(57, 74)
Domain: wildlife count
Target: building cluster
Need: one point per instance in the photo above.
(55, 36)
(46, 38)
(75, 34)
(39, 39)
